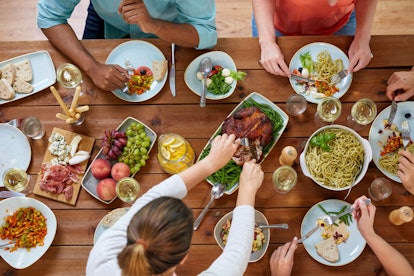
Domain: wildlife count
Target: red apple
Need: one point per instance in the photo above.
(120, 170)
(101, 168)
(106, 189)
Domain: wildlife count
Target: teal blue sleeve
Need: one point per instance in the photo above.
(54, 12)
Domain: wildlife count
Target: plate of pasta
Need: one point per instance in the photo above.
(335, 157)
(382, 135)
(319, 61)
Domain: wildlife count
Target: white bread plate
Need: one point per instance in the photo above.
(22, 258)
(44, 73)
(348, 251)
(367, 157)
(259, 219)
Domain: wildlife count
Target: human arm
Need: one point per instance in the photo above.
(403, 82)
(188, 29)
(281, 261)
(391, 259)
(359, 51)
(406, 170)
(271, 56)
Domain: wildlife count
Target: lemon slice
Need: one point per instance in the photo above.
(169, 141)
(166, 153)
(177, 144)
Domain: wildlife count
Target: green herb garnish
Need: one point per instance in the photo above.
(321, 140)
(347, 219)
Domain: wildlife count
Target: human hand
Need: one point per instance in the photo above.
(364, 216)
(135, 12)
(281, 261)
(251, 178)
(272, 59)
(222, 150)
(359, 55)
(401, 81)
(108, 76)
(406, 170)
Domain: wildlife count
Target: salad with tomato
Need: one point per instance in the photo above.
(220, 79)
(140, 81)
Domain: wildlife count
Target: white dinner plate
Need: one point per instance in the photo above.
(21, 258)
(218, 58)
(376, 132)
(15, 151)
(44, 73)
(139, 53)
(100, 228)
(314, 49)
(259, 218)
(348, 251)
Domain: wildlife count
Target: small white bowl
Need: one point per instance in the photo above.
(218, 58)
(367, 157)
(259, 219)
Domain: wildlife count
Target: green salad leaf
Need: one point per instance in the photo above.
(307, 62)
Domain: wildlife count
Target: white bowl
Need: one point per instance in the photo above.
(367, 157)
(259, 218)
(218, 58)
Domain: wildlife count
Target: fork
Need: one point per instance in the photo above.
(405, 134)
(338, 76)
(331, 219)
(129, 67)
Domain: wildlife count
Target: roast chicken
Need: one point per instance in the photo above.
(253, 124)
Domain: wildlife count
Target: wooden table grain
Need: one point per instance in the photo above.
(164, 113)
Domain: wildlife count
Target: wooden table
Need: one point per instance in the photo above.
(182, 114)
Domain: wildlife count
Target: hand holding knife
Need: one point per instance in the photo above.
(172, 70)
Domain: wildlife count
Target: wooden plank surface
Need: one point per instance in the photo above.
(164, 113)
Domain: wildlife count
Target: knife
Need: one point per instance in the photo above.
(300, 78)
(172, 71)
(307, 235)
(394, 108)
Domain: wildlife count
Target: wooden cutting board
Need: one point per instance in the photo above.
(85, 144)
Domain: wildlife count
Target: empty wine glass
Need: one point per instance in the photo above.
(363, 112)
(329, 109)
(69, 76)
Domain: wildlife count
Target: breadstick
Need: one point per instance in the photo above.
(77, 116)
(72, 112)
(75, 98)
(70, 120)
(82, 108)
(61, 116)
(59, 99)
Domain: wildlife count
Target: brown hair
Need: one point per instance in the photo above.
(158, 237)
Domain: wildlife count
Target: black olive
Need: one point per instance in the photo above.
(143, 72)
(300, 69)
(407, 115)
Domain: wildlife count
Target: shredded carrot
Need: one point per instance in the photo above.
(26, 227)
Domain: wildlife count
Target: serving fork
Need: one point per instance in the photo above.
(338, 76)
(405, 134)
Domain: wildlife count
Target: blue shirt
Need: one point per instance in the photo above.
(200, 14)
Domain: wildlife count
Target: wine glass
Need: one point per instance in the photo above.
(127, 189)
(69, 76)
(363, 112)
(329, 109)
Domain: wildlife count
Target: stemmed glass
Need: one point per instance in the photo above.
(363, 112)
(69, 76)
(329, 109)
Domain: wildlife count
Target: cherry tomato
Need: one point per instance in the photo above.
(143, 71)
(215, 70)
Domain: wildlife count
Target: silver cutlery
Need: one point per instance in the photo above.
(301, 78)
(217, 191)
(129, 67)
(393, 111)
(307, 235)
(172, 70)
(405, 134)
(273, 226)
(205, 68)
(338, 76)
(6, 244)
(333, 218)
(353, 181)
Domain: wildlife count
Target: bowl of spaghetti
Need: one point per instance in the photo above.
(336, 157)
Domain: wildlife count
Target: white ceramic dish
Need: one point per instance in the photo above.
(348, 251)
(139, 53)
(100, 228)
(44, 73)
(314, 49)
(15, 150)
(258, 98)
(367, 157)
(21, 258)
(259, 218)
(376, 132)
(218, 58)
(89, 182)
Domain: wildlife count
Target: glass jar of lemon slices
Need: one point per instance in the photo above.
(175, 154)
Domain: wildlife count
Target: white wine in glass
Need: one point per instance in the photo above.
(69, 76)
(363, 112)
(15, 180)
(127, 189)
(329, 109)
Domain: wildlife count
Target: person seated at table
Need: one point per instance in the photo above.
(272, 18)
(403, 83)
(394, 263)
(154, 236)
(185, 23)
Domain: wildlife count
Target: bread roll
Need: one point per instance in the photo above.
(328, 250)
(24, 70)
(6, 91)
(21, 86)
(159, 69)
(9, 73)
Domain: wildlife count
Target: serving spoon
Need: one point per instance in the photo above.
(217, 191)
(205, 68)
